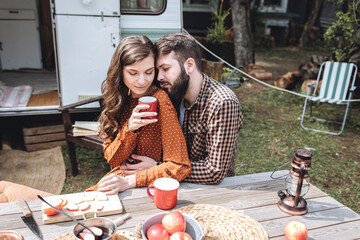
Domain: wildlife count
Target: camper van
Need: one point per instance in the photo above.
(63, 48)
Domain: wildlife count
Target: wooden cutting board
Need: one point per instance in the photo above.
(111, 206)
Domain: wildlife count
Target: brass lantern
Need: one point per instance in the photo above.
(297, 184)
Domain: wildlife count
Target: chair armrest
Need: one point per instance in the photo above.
(311, 88)
(352, 89)
(77, 104)
(311, 84)
(65, 111)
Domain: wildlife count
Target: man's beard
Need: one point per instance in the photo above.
(179, 88)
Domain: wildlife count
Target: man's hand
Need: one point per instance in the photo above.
(143, 163)
(112, 184)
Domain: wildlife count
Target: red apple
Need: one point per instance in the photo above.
(56, 202)
(295, 230)
(157, 232)
(180, 236)
(174, 222)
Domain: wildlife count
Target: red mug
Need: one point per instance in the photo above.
(165, 192)
(152, 102)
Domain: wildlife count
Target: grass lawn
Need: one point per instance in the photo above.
(271, 133)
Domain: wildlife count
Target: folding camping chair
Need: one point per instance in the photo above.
(336, 79)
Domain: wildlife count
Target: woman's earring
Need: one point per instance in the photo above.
(129, 92)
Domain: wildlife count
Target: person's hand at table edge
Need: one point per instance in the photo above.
(112, 184)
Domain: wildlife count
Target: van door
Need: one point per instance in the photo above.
(86, 35)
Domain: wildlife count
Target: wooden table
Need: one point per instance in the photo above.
(254, 195)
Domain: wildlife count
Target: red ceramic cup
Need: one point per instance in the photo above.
(152, 102)
(165, 192)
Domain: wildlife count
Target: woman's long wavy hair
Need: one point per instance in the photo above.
(115, 93)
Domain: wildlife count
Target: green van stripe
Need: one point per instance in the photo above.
(340, 66)
(345, 84)
(153, 33)
(328, 80)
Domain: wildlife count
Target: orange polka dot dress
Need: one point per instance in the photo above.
(162, 141)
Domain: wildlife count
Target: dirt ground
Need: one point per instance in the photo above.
(279, 61)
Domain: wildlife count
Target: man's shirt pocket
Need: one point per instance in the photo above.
(197, 135)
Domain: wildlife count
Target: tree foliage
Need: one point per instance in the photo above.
(343, 37)
(217, 32)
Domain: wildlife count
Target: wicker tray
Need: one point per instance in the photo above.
(225, 223)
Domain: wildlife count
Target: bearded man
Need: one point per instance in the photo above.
(209, 112)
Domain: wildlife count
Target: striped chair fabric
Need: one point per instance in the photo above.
(335, 82)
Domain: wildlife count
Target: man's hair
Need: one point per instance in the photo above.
(183, 45)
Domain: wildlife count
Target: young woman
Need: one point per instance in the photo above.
(130, 76)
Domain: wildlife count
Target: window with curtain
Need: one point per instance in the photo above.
(278, 6)
(142, 6)
(200, 5)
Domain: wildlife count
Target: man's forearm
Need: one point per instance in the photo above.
(203, 172)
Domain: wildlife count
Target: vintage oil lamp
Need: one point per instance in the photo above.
(297, 184)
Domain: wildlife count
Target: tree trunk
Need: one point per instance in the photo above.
(304, 38)
(243, 44)
(212, 69)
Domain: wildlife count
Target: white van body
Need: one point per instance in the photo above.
(86, 34)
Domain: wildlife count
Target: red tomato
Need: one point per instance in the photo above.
(295, 230)
(157, 232)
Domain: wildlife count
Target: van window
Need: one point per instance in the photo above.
(142, 6)
(272, 3)
(200, 5)
(273, 6)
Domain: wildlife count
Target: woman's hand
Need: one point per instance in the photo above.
(112, 184)
(135, 121)
(143, 163)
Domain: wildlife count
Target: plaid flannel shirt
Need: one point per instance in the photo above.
(211, 128)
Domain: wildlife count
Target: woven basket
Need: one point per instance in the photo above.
(224, 223)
